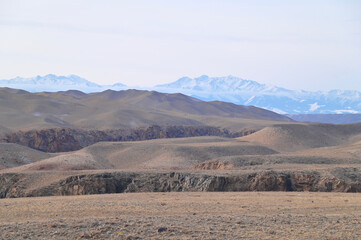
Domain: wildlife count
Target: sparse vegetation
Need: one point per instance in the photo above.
(251, 215)
(109, 152)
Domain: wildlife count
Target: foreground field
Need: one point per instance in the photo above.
(199, 215)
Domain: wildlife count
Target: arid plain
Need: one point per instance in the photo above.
(172, 167)
(196, 215)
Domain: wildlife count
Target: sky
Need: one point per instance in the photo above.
(310, 44)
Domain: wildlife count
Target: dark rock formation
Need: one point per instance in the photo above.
(13, 185)
(67, 139)
(214, 165)
(10, 185)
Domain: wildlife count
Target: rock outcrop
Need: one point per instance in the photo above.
(13, 184)
(68, 139)
(214, 165)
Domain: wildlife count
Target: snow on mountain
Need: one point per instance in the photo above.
(54, 83)
(219, 84)
(205, 85)
(247, 92)
(228, 89)
(120, 85)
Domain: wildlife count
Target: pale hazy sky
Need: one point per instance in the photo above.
(312, 45)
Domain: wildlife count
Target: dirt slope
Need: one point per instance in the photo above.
(68, 139)
(13, 155)
(345, 151)
(116, 109)
(300, 144)
(157, 154)
(295, 137)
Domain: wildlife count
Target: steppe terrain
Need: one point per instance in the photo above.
(21, 110)
(285, 157)
(252, 215)
(177, 168)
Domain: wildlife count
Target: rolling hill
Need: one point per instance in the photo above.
(321, 147)
(156, 154)
(13, 155)
(227, 89)
(116, 109)
(295, 137)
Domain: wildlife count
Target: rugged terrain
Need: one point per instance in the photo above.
(84, 183)
(272, 159)
(335, 106)
(68, 139)
(217, 146)
(177, 168)
(278, 99)
(21, 110)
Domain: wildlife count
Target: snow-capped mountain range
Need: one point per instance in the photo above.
(228, 89)
(54, 83)
(280, 100)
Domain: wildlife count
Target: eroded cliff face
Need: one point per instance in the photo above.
(214, 165)
(13, 185)
(67, 139)
(10, 185)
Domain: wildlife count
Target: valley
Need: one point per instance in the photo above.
(149, 164)
(283, 157)
(209, 120)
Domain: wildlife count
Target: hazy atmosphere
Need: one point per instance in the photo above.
(311, 45)
(180, 119)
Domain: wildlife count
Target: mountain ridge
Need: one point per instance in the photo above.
(55, 83)
(120, 109)
(277, 99)
(226, 89)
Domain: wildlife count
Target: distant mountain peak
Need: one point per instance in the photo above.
(54, 83)
(206, 83)
(247, 92)
(227, 88)
(203, 77)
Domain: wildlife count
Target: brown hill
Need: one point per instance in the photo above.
(67, 139)
(307, 145)
(13, 155)
(303, 146)
(245, 166)
(116, 109)
(157, 154)
(295, 137)
(344, 152)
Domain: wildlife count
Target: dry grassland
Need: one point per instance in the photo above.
(245, 215)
